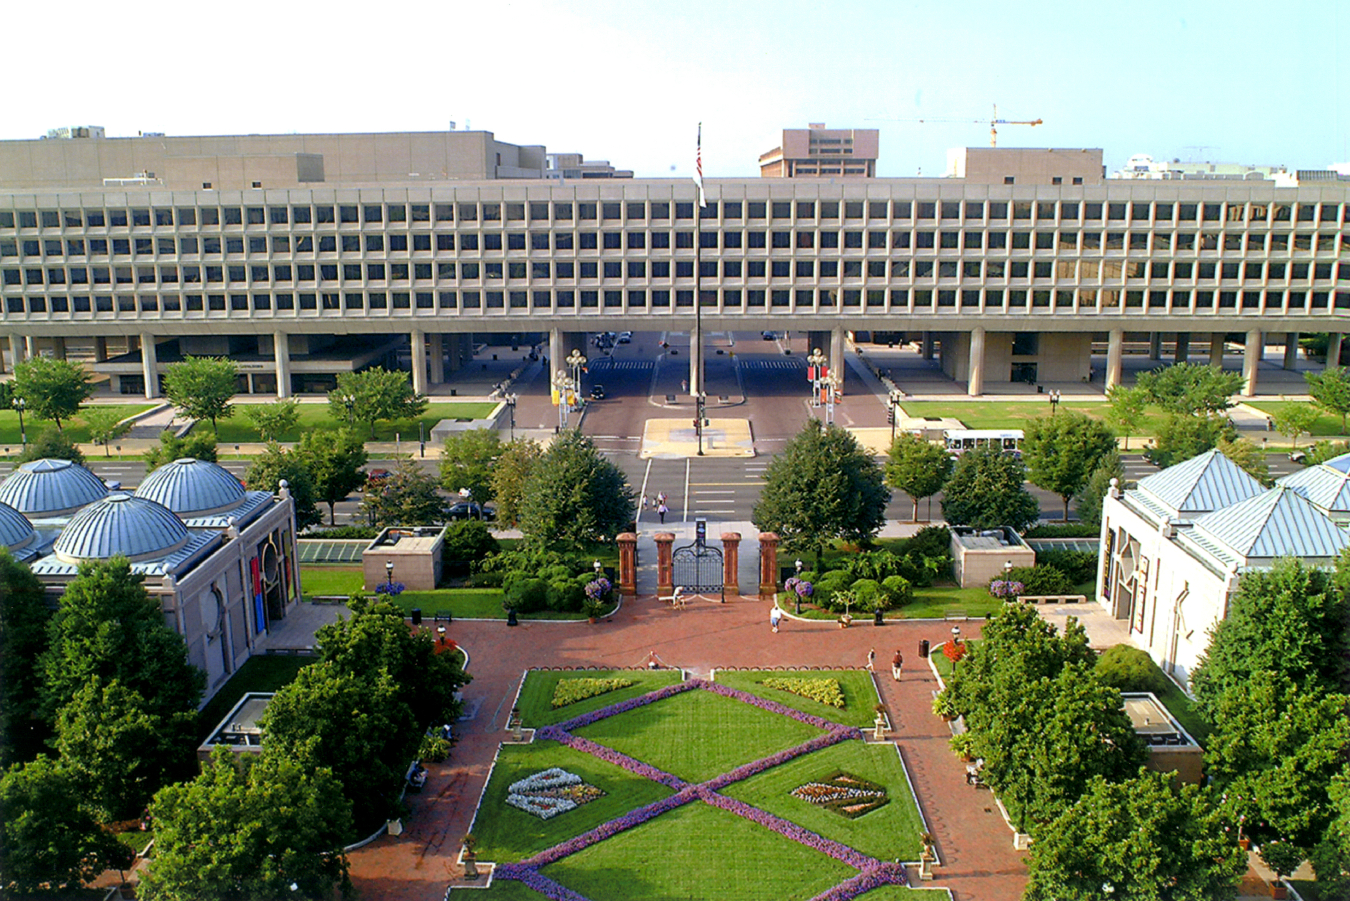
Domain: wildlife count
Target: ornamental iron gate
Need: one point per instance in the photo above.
(696, 567)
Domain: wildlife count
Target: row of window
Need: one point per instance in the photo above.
(1062, 270)
(799, 300)
(656, 211)
(801, 239)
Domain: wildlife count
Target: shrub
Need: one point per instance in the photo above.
(828, 585)
(1071, 530)
(468, 541)
(565, 595)
(1079, 566)
(1129, 669)
(923, 570)
(1041, 580)
(930, 541)
(526, 594)
(434, 747)
(868, 595)
(486, 580)
(875, 565)
(899, 591)
(844, 599)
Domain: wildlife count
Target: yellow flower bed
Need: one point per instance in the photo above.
(826, 691)
(569, 691)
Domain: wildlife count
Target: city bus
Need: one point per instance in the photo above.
(958, 441)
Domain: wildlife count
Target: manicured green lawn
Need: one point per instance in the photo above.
(696, 735)
(934, 602)
(860, 695)
(507, 834)
(536, 697)
(332, 581)
(698, 851)
(135, 839)
(265, 672)
(890, 832)
(1180, 706)
(1326, 426)
(1014, 415)
(75, 429)
(940, 661)
(239, 428)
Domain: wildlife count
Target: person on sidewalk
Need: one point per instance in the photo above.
(775, 616)
(872, 660)
(661, 511)
(644, 503)
(897, 664)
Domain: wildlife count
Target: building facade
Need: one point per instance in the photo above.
(820, 152)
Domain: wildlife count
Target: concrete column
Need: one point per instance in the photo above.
(731, 563)
(2, 361)
(149, 366)
(419, 361)
(18, 349)
(1251, 357)
(665, 571)
(59, 348)
(281, 352)
(1216, 342)
(437, 358)
(100, 350)
(975, 384)
(31, 347)
(927, 344)
(1115, 346)
(768, 565)
(1155, 346)
(837, 364)
(1183, 346)
(1291, 350)
(556, 351)
(695, 370)
(1334, 349)
(627, 564)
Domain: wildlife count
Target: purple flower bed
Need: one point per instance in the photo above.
(789, 829)
(622, 707)
(871, 878)
(609, 755)
(536, 881)
(771, 706)
(745, 771)
(613, 827)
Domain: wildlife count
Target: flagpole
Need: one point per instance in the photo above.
(696, 344)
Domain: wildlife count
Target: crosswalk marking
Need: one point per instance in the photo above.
(773, 364)
(620, 364)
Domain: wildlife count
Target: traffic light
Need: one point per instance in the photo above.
(890, 415)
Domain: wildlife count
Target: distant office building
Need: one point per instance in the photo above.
(572, 165)
(820, 152)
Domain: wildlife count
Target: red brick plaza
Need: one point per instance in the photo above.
(973, 842)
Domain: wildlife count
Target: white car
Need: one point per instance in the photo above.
(625, 337)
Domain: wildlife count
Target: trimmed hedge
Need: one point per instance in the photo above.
(1130, 669)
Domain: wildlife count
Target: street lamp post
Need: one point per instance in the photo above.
(598, 568)
(19, 404)
(1054, 401)
(895, 412)
(798, 594)
(577, 360)
(700, 421)
(350, 402)
(562, 384)
(816, 360)
(511, 404)
(389, 572)
(833, 383)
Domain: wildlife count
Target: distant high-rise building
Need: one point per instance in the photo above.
(820, 152)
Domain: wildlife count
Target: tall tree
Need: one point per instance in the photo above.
(1248, 456)
(467, 461)
(1142, 839)
(1126, 413)
(1331, 856)
(1062, 451)
(917, 467)
(1294, 419)
(1190, 388)
(48, 842)
(52, 389)
(264, 828)
(274, 421)
(23, 639)
(118, 752)
(987, 489)
(1183, 435)
(406, 497)
(375, 394)
(106, 425)
(334, 461)
(574, 496)
(1094, 492)
(107, 627)
(202, 387)
(1330, 390)
(274, 464)
(824, 486)
(511, 474)
(171, 447)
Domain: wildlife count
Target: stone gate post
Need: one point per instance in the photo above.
(627, 564)
(768, 565)
(665, 574)
(731, 563)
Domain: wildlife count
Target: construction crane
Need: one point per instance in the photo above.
(994, 123)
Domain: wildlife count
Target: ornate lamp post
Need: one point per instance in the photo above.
(833, 383)
(577, 360)
(562, 383)
(350, 403)
(19, 405)
(798, 599)
(389, 572)
(894, 412)
(1054, 401)
(701, 420)
(511, 404)
(816, 360)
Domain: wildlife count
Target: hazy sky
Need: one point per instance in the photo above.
(1236, 81)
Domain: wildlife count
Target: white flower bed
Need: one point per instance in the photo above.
(542, 807)
(550, 792)
(553, 777)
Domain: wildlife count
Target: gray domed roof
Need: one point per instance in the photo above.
(15, 529)
(136, 527)
(191, 487)
(42, 488)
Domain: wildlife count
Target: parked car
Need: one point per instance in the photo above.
(767, 336)
(377, 475)
(471, 510)
(597, 392)
(625, 337)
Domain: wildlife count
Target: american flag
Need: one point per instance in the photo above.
(698, 168)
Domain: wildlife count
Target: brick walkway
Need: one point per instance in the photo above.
(973, 841)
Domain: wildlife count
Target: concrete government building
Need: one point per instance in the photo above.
(302, 256)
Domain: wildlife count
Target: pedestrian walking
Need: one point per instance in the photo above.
(661, 497)
(644, 503)
(775, 616)
(661, 511)
(872, 660)
(897, 663)
(684, 386)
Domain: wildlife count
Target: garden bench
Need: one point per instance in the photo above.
(676, 600)
(1053, 598)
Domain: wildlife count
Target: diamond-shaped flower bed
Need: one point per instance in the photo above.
(551, 792)
(570, 691)
(843, 793)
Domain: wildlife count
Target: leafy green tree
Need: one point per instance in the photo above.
(575, 496)
(52, 389)
(1061, 452)
(274, 464)
(202, 387)
(52, 444)
(334, 461)
(376, 394)
(1331, 856)
(24, 615)
(467, 461)
(1183, 435)
(1326, 450)
(200, 446)
(1289, 620)
(48, 841)
(1190, 388)
(360, 729)
(107, 627)
(1330, 390)
(509, 477)
(1090, 498)
(274, 421)
(1295, 419)
(917, 467)
(987, 490)
(117, 751)
(1144, 838)
(1248, 457)
(1128, 406)
(406, 497)
(824, 486)
(264, 828)
(106, 425)
(1274, 750)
